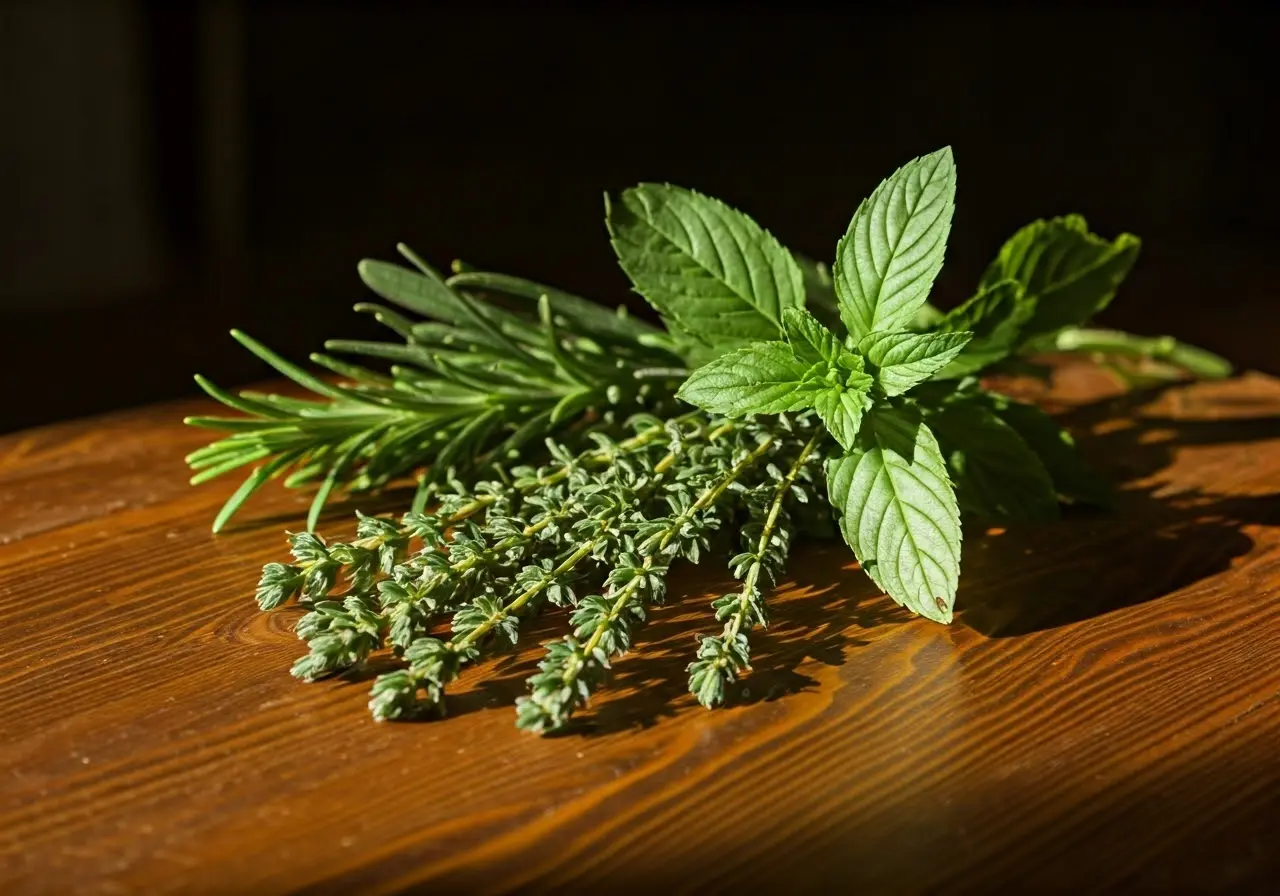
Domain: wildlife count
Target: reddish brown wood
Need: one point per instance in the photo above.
(1104, 713)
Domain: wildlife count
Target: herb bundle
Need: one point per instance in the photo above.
(566, 455)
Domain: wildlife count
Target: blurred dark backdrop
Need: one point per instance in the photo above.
(170, 170)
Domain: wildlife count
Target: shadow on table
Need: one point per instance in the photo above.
(1154, 543)
(818, 622)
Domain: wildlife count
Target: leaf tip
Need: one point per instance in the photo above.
(1128, 240)
(945, 159)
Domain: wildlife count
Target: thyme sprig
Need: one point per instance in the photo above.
(721, 659)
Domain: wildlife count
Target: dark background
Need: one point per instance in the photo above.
(171, 170)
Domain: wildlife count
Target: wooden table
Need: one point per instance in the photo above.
(1105, 712)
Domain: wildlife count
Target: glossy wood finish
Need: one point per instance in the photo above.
(1104, 713)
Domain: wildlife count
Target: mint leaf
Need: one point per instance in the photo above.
(887, 260)
(841, 409)
(1073, 479)
(898, 512)
(996, 474)
(813, 371)
(705, 266)
(763, 378)
(1070, 273)
(847, 395)
(904, 359)
(811, 340)
(995, 316)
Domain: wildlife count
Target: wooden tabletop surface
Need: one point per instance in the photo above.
(1105, 712)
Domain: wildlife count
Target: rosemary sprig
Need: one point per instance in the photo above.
(478, 386)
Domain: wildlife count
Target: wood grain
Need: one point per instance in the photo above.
(1104, 713)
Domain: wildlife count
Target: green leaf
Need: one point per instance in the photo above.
(412, 290)
(846, 387)
(898, 512)
(887, 260)
(238, 402)
(996, 474)
(592, 316)
(764, 378)
(254, 481)
(297, 374)
(810, 339)
(349, 453)
(1073, 479)
(841, 409)
(845, 396)
(486, 319)
(710, 268)
(1070, 273)
(904, 359)
(995, 316)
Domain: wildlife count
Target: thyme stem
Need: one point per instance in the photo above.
(766, 536)
(706, 499)
(568, 564)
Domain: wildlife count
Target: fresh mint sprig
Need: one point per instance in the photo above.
(890, 488)
(567, 455)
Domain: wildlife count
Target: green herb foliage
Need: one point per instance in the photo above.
(567, 455)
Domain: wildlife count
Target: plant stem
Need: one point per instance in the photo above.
(596, 456)
(516, 605)
(649, 373)
(569, 563)
(706, 499)
(1194, 360)
(766, 535)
